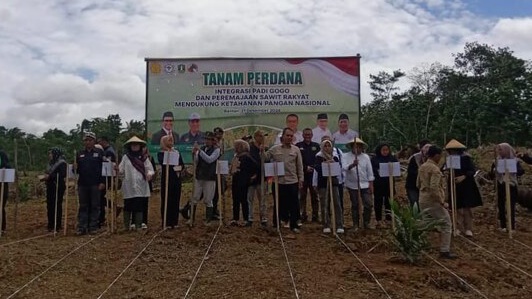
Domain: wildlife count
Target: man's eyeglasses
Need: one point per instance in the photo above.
(168, 120)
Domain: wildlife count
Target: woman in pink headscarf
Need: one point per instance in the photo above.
(505, 151)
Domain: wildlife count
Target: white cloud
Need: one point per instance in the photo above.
(63, 61)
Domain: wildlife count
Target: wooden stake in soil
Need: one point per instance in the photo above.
(390, 198)
(107, 202)
(359, 195)
(114, 191)
(16, 186)
(453, 200)
(508, 200)
(2, 178)
(167, 173)
(276, 182)
(219, 186)
(65, 223)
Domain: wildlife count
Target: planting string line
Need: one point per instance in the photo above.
(54, 264)
(498, 257)
(288, 263)
(364, 265)
(521, 243)
(27, 239)
(203, 260)
(131, 263)
(456, 275)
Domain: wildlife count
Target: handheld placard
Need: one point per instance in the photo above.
(390, 170)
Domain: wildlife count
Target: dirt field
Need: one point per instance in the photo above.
(251, 263)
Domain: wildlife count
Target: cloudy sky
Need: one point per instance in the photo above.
(62, 61)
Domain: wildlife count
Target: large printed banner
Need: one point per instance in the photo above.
(191, 96)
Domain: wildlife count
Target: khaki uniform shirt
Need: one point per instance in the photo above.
(430, 182)
(293, 163)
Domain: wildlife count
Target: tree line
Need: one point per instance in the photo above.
(27, 152)
(483, 98)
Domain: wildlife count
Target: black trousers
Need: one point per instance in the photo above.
(381, 197)
(6, 193)
(51, 202)
(288, 204)
(240, 199)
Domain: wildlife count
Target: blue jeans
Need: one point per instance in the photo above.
(89, 208)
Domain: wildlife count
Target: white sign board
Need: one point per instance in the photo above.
(171, 158)
(108, 169)
(274, 169)
(223, 167)
(70, 172)
(330, 169)
(453, 162)
(510, 164)
(384, 169)
(7, 175)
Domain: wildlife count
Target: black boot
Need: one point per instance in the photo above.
(185, 211)
(190, 222)
(208, 215)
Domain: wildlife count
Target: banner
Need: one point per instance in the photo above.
(189, 97)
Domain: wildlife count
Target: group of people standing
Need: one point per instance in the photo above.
(429, 188)
(303, 176)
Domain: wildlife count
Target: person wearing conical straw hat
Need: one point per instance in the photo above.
(467, 194)
(359, 177)
(136, 170)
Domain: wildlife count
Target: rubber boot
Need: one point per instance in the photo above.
(185, 211)
(209, 211)
(190, 222)
(366, 216)
(127, 220)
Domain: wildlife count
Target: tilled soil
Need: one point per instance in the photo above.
(255, 262)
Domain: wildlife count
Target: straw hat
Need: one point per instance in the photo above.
(355, 141)
(454, 144)
(135, 139)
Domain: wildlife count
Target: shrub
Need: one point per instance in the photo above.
(410, 236)
(24, 191)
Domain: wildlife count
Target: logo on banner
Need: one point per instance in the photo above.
(155, 68)
(193, 68)
(169, 68)
(181, 68)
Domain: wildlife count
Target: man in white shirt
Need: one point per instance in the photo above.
(344, 133)
(359, 180)
(321, 129)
